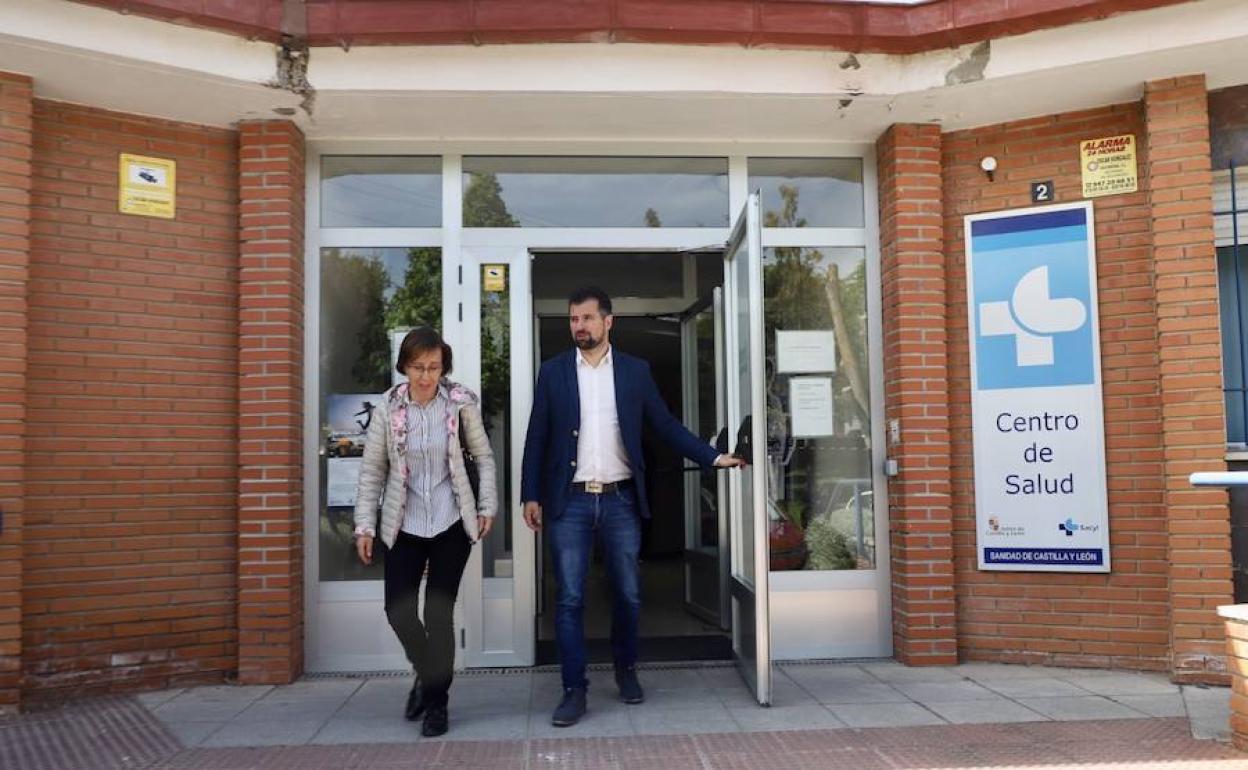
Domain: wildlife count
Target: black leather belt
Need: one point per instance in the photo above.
(602, 487)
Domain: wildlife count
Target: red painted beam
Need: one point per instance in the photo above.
(828, 24)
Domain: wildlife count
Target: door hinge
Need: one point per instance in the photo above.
(461, 275)
(463, 644)
(461, 320)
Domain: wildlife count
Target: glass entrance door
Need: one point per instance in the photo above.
(747, 421)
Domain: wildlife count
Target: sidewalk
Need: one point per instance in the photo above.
(853, 715)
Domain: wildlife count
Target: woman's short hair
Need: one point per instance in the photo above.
(419, 341)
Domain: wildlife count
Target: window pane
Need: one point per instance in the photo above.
(1232, 294)
(809, 192)
(381, 191)
(369, 299)
(818, 409)
(595, 192)
(496, 560)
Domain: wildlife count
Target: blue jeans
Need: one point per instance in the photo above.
(614, 518)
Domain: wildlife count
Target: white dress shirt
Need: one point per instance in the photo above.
(600, 454)
(430, 507)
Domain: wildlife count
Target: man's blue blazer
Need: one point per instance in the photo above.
(550, 444)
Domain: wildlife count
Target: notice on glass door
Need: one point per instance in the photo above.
(810, 405)
(805, 352)
(342, 481)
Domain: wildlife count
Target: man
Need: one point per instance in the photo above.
(584, 472)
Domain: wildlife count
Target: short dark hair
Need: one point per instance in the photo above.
(419, 341)
(586, 293)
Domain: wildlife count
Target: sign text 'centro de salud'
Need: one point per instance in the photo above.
(1039, 434)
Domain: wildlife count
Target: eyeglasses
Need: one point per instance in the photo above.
(420, 370)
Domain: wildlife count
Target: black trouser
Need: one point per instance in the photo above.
(429, 646)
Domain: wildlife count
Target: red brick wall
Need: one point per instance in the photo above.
(270, 503)
(15, 163)
(916, 395)
(130, 536)
(1189, 342)
(1119, 619)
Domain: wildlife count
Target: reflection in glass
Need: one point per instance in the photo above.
(809, 192)
(381, 191)
(708, 425)
(741, 284)
(496, 409)
(595, 192)
(819, 450)
(369, 299)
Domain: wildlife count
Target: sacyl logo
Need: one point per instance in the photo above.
(1070, 527)
(1033, 317)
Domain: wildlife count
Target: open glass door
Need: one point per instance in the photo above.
(747, 424)
(706, 529)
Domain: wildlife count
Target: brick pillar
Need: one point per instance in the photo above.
(1235, 621)
(16, 129)
(1190, 354)
(270, 431)
(916, 394)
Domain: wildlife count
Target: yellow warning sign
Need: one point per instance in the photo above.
(146, 186)
(495, 278)
(1108, 165)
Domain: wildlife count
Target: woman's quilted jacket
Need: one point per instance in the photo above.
(383, 462)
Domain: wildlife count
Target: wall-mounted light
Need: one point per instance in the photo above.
(989, 165)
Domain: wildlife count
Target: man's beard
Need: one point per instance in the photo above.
(587, 342)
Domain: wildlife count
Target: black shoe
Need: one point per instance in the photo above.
(435, 723)
(630, 688)
(571, 708)
(415, 705)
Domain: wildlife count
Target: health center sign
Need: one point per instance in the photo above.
(1039, 434)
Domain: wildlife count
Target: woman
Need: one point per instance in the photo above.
(429, 517)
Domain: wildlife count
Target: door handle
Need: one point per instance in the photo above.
(744, 448)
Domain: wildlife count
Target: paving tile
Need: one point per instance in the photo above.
(854, 692)
(596, 722)
(181, 710)
(834, 759)
(1033, 687)
(784, 692)
(928, 756)
(327, 687)
(1082, 707)
(466, 726)
(1121, 683)
(726, 676)
(284, 709)
(191, 733)
(264, 733)
(893, 672)
(375, 706)
(703, 718)
(945, 692)
(803, 673)
(224, 692)
(983, 671)
(151, 700)
(355, 731)
(806, 717)
(1155, 705)
(1209, 711)
(976, 711)
(884, 714)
